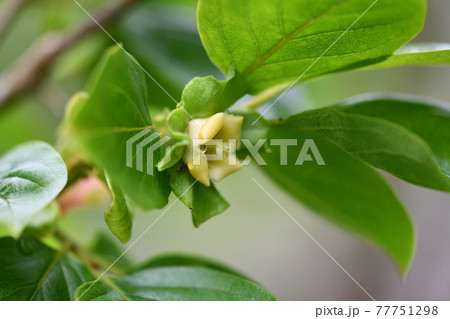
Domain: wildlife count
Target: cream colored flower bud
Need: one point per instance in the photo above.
(212, 126)
(216, 136)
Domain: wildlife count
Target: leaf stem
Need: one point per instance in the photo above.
(95, 263)
(265, 96)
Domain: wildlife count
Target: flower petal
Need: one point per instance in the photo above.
(220, 169)
(198, 167)
(212, 126)
(194, 130)
(231, 129)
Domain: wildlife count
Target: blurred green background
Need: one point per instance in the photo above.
(254, 235)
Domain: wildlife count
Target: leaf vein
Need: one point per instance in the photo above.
(259, 61)
(221, 31)
(251, 30)
(47, 270)
(325, 56)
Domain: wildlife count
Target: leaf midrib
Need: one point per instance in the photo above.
(368, 129)
(8, 204)
(260, 60)
(102, 131)
(156, 289)
(49, 268)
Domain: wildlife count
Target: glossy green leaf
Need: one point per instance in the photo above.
(115, 112)
(175, 284)
(183, 259)
(380, 143)
(119, 216)
(31, 176)
(44, 222)
(415, 55)
(430, 120)
(254, 127)
(203, 97)
(344, 190)
(29, 270)
(254, 133)
(204, 202)
(106, 248)
(272, 42)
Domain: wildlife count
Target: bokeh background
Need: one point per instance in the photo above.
(254, 236)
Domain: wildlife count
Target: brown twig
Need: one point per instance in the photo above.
(27, 72)
(12, 8)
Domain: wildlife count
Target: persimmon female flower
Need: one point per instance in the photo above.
(212, 153)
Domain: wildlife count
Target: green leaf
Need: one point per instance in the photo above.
(119, 216)
(106, 248)
(415, 55)
(175, 284)
(430, 120)
(272, 42)
(31, 176)
(254, 127)
(344, 190)
(44, 222)
(114, 112)
(203, 97)
(380, 143)
(173, 154)
(177, 123)
(183, 259)
(254, 131)
(29, 270)
(204, 202)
